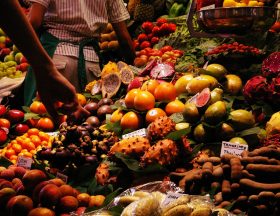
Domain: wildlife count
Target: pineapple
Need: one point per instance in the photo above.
(144, 11)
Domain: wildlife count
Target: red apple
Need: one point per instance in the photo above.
(23, 60)
(24, 66)
(3, 110)
(3, 136)
(15, 116)
(4, 52)
(21, 129)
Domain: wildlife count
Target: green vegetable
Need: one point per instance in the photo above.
(177, 10)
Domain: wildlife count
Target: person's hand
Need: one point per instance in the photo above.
(53, 87)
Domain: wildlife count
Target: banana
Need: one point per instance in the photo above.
(179, 210)
(128, 211)
(141, 194)
(180, 201)
(147, 206)
(201, 211)
(126, 200)
(220, 212)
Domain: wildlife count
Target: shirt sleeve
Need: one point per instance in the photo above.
(117, 11)
(45, 3)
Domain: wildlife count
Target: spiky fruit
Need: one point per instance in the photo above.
(163, 152)
(161, 127)
(102, 173)
(132, 145)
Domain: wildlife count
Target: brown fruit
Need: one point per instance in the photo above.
(19, 205)
(19, 172)
(7, 174)
(68, 204)
(5, 184)
(83, 199)
(66, 190)
(57, 181)
(5, 195)
(40, 211)
(49, 195)
(37, 189)
(33, 177)
(16, 181)
(96, 200)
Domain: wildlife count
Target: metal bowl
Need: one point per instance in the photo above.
(237, 20)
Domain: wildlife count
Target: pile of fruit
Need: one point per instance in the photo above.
(108, 39)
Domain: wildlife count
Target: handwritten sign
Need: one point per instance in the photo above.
(142, 132)
(233, 148)
(170, 197)
(62, 177)
(24, 162)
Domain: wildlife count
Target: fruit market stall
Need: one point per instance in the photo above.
(191, 128)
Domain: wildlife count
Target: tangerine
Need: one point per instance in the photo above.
(36, 140)
(38, 107)
(17, 147)
(9, 152)
(144, 101)
(130, 120)
(150, 86)
(153, 114)
(5, 123)
(129, 98)
(165, 92)
(175, 106)
(81, 99)
(33, 131)
(45, 124)
(43, 136)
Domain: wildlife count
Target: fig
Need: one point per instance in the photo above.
(105, 101)
(103, 110)
(92, 107)
(93, 121)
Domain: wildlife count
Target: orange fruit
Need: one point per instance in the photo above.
(17, 147)
(81, 99)
(130, 120)
(175, 106)
(129, 98)
(144, 100)
(33, 131)
(150, 86)
(38, 107)
(27, 154)
(154, 113)
(43, 136)
(9, 152)
(116, 116)
(96, 200)
(45, 124)
(165, 92)
(36, 140)
(5, 123)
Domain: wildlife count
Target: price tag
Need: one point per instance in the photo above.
(52, 133)
(24, 162)
(193, 98)
(233, 148)
(208, 7)
(62, 177)
(170, 197)
(142, 132)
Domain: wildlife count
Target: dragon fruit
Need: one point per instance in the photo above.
(162, 70)
(148, 68)
(257, 88)
(271, 65)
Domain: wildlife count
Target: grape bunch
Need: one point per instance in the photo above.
(9, 69)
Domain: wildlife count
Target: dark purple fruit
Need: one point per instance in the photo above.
(91, 159)
(93, 121)
(103, 110)
(91, 107)
(105, 101)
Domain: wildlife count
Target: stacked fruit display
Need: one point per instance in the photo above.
(108, 39)
(32, 193)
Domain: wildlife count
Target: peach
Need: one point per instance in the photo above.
(49, 195)
(40, 211)
(7, 174)
(33, 177)
(68, 204)
(19, 205)
(66, 190)
(83, 199)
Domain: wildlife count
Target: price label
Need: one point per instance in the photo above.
(24, 162)
(142, 132)
(52, 133)
(233, 148)
(170, 197)
(62, 177)
(208, 7)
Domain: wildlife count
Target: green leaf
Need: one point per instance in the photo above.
(177, 117)
(30, 116)
(131, 163)
(115, 127)
(92, 186)
(196, 149)
(250, 131)
(213, 191)
(97, 97)
(177, 135)
(25, 109)
(5, 162)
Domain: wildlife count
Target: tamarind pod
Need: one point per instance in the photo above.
(245, 153)
(246, 174)
(188, 177)
(272, 146)
(226, 170)
(181, 170)
(263, 168)
(224, 204)
(178, 210)
(226, 158)
(241, 201)
(277, 196)
(248, 183)
(216, 185)
(255, 159)
(235, 188)
(266, 196)
(213, 160)
(226, 190)
(218, 172)
(253, 200)
(207, 169)
(236, 168)
(218, 198)
(265, 151)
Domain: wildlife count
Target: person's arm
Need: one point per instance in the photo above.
(51, 85)
(125, 41)
(36, 15)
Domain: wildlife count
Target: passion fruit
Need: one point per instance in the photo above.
(216, 95)
(216, 70)
(238, 140)
(241, 119)
(233, 84)
(215, 113)
(225, 132)
(182, 83)
(199, 133)
(191, 113)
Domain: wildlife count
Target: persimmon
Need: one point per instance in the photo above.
(38, 107)
(81, 99)
(150, 86)
(9, 153)
(165, 92)
(33, 131)
(144, 101)
(130, 120)
(154, 113)
(175, 106)
(17, 147)
(129, 98)
(45, 124)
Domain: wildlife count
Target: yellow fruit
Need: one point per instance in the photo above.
(191, 113)
(116, 116)
(229, 3)
(81, 99)
(182, 83)
(233, 84)
(175, 106)
(242, 119)
(241, 4)
(196, 85)
(215, 113)
(182, 125)
(216, 70)
(253, 3)
(238, 140)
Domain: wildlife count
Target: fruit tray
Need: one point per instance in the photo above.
(236, 20)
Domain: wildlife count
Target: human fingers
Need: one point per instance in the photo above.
(50, 107)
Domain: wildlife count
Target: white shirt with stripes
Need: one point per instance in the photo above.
(75, 20)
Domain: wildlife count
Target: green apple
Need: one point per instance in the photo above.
(15, 49)
(9, 58)
(18, 57)
(2, 39)
(2, 33)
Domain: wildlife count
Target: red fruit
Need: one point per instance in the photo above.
(3, 110)
(156, 31)
(23, 60)
(150, 36)
(21, 129)
(135, 83)
(142, 37)
(164, 29)
(166, 48)
(147, 27)
(161, 21)
(154, 40)
(5, 123)
(145, 44)
(4, 52)
(24, 66)
(15, 116)
(172, 27)
(3, 136)
(136, 44)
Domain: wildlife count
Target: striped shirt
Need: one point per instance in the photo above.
(75, 20)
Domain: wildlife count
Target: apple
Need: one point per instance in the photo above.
(21, 128)
(18, 57)
(9, 58)
(15, 116)
(3, 136)
(2, 33)
(4, 52)
(2, 39)
(24, 66)
(3, 110)
(23, 60)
